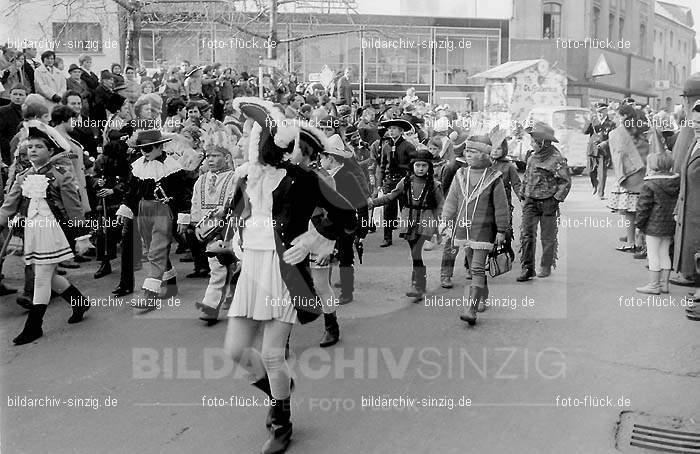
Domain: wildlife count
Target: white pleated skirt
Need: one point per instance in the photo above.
(44, 241)
(261, 294)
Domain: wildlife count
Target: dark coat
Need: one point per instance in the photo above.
(294, 202)
(395, 162)
(10, 119)
(354, 188)
(656, 203)
(113, 167)
(687, 239)
(99, 107)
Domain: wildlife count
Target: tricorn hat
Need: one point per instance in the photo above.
(541, 130)
(35, 128)
(313, 137)
(148, 137)
(266, 116)
(194, 70)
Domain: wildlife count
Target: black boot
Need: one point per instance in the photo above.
(281, 430)
(526, 275)
(32, 327)
(332, 334)
(347, 284)
(170, 288)
(419, 284)
(104, 269)
(264, 385)
(79, 303)
(469, 314)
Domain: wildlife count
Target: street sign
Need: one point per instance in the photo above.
(602, 68)
(271, 63)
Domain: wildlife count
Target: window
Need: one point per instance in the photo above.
(671, 73)
(659, 69)
(595, 22)
(621, 30)
(454, 65)
(670, 39)
(551, 21)
(78, 37)
(642, 39)
(611, 26)
(685, 47)
(683, 74)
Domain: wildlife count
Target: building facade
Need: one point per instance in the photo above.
(674, 48)
(603, 45)
(70, 29)
(434, 47)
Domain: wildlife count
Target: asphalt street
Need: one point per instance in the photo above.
(548, 368)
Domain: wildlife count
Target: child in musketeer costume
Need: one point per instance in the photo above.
(213, 190)
(47, 198)
(272, 205)
(157, 196)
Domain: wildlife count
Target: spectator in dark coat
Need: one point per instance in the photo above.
(10, 119)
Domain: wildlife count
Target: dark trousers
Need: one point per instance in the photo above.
(131, 252)
(107, 238)
(201, 261)
(346, 260)
(544, 212)
(419, 273)
(391, 209)
(598, 172)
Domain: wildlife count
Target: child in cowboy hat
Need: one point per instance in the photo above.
(350, 182)
(422, 201)
(48, 201)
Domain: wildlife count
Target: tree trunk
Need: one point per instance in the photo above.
(133, 35)
(272, 35)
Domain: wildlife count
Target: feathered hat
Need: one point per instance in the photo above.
(268, 117)
(313, 137)
(35, 128)
(217, 138)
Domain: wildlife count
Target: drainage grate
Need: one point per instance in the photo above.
(645, 433)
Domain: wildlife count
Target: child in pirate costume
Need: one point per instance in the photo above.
(110, 184)
(157, 197)
(212, 191)
(477, 216)
(272, 206)
(422, 199)
(47, 199)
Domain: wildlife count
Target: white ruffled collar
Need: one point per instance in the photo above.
(155, 169)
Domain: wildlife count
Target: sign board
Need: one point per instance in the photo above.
(314, 77)
(602, 68)
(662, 84)
(270, 63)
